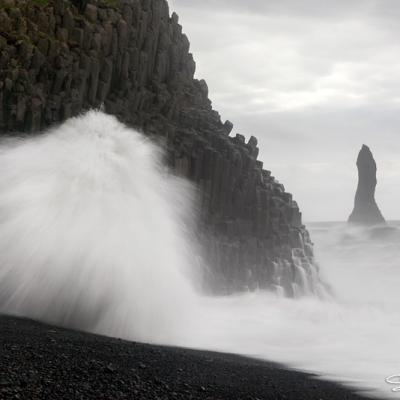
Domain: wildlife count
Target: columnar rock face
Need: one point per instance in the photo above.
(59, 58)
(366, 211)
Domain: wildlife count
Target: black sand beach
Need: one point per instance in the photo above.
(39, 361)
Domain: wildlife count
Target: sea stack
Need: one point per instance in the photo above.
(366, 211)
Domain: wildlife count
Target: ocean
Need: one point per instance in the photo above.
(96, 235)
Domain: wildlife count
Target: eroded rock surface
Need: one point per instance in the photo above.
(59, 58)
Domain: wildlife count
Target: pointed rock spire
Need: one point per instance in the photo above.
(366, 211)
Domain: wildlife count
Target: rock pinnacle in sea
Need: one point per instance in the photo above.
(366, 211)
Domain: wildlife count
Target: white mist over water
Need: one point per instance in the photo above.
(352, 338)
(91, 232)
(94, 234)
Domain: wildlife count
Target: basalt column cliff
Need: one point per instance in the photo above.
(366, 211)
(59, 58)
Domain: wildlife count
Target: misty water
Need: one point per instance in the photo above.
(96, 235)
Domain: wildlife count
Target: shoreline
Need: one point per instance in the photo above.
(39, 361)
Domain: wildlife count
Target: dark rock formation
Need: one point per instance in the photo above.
(366, 211)
(59, 58)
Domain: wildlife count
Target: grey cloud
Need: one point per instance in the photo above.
(313, 80)
(316, 8)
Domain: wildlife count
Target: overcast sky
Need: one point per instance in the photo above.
(313, 80)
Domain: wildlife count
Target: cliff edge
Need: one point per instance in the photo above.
(59, 58)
